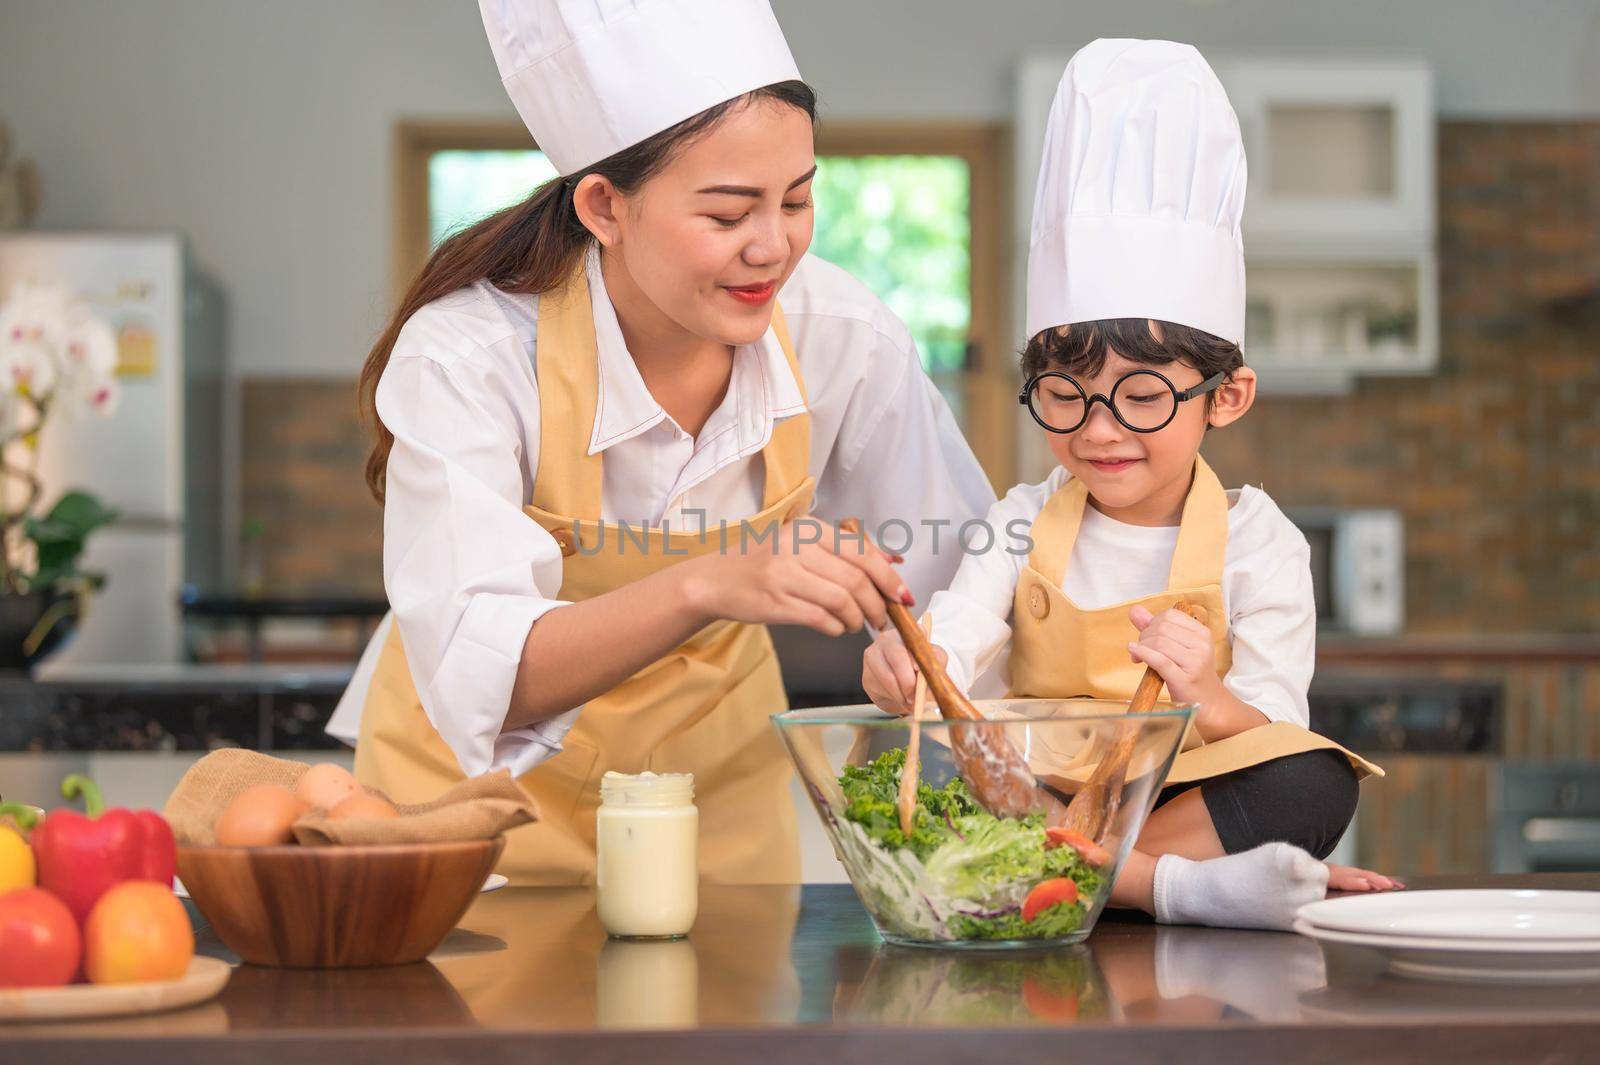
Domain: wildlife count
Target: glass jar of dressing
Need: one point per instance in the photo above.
(647, 839)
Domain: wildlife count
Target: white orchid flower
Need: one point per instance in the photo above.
(27, 366)
(90, 346)
(39, 313)
(52, 341)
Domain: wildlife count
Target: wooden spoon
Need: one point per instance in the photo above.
(998, 776)
(1093, 808)
(908, 772)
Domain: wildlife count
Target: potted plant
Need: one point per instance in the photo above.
(57, 359)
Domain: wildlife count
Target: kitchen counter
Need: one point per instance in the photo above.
(166, 708)
(781, 975)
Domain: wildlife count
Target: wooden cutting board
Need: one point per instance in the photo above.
(205, 978)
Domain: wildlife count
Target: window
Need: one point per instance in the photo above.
(466, 185)
(901, 209)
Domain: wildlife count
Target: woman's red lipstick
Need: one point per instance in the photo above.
(754, 295)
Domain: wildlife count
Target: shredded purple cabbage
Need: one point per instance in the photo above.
(952, 823)
(989, 913)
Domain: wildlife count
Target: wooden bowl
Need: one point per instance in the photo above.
(336, 907)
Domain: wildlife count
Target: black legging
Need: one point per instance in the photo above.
(1307, 799)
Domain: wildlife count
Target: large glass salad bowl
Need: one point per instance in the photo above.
(964, 875)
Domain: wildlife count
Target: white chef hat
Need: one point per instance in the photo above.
(592, 77)
(1140, 194)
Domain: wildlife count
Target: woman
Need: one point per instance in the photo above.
(613, 350)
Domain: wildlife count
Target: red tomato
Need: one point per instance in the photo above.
(1047, 1005)
(1087, 849)
(137, 931)
(39, 941)
(1048, 893)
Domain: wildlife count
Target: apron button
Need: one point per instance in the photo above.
(1038, 602)
(563, 537)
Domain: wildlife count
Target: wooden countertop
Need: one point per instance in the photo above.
(780, 975)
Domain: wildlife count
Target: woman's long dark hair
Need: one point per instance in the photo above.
(534, 245)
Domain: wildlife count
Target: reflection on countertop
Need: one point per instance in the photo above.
(785, 974)
(537, 959)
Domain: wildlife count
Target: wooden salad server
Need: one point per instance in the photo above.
(997, 775)
(1093, 808)
(908, 772)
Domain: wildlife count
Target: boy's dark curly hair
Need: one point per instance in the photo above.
(1080, 349)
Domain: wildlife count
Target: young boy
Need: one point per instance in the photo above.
(1136, 314)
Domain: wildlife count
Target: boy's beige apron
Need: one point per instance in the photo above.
(700, 709)
(1062, 651)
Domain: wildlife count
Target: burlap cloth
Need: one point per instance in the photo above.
(480, 808)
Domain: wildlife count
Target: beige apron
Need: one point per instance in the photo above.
(700, 709)
(1062, 651)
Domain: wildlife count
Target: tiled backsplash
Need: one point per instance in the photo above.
(1494, 461)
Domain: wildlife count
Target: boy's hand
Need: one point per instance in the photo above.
(889, 675)
(1177, 647)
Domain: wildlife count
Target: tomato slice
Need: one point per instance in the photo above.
(1087, 849)
(1048, 893)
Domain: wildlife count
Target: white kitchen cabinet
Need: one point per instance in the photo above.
(1319, 317)
(1341, 149)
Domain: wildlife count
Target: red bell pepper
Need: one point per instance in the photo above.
(80, 857)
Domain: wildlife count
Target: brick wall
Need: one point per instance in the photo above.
(304, 449)
(1494, 460)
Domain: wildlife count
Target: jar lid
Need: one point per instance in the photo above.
(647, 789)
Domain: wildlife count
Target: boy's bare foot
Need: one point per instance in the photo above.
(1349, 878)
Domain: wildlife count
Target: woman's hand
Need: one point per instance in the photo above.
(811, 575)
(1177, 647)
(889, 675)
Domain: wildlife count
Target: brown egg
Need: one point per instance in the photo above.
(364, 806)
(326, 785)
(259, 816)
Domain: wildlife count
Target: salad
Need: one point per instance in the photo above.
(961, 873)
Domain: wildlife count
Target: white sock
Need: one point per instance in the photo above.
(1260, 888)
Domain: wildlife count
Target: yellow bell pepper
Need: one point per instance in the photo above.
(17, 869)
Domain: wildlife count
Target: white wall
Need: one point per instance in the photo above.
(261, 128)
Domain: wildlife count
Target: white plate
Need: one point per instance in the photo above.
(1519, 916)
(1498, 960)
(494, 883)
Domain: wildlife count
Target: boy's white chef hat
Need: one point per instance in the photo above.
(1140, 194)
(592, 77)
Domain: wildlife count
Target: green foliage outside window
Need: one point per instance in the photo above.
(901, 224)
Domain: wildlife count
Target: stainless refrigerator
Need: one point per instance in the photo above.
(159, 458)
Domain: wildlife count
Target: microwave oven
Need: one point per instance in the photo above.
(1357, 568)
